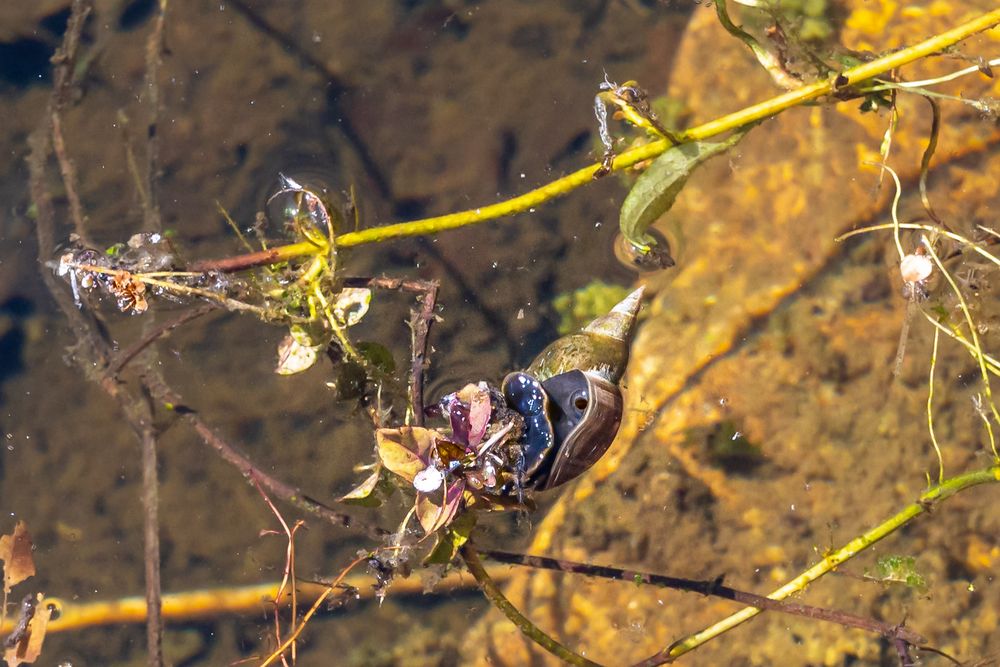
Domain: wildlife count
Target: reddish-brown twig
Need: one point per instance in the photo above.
(288, 582)
(166, 396)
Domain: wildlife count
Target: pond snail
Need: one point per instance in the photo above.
(569, 397)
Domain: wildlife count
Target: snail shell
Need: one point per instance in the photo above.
(569, 397)
(570, 421)
(600, 348)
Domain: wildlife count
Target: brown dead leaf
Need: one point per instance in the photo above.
(15, 552)
(28, 644)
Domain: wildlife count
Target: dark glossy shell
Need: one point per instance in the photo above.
(570, 421)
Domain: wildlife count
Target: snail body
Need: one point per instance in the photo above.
(569, 397)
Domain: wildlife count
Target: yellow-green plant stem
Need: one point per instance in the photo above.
(930, 409)
(766, 109)
(500, 601)
(925, 503)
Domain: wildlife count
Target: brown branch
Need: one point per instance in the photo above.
(68, 172)
(154, 47)
(120, 360)
(94, 350)
(238, 262)
(151, 547)
(166, 396)
(710, 588)
(150, 481)
(420, 326)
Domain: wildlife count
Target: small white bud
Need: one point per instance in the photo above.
(915, 268)
(429, 479)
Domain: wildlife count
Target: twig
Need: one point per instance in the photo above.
(290, 494)
(530, 630)
(68, 172)
(278, 652)
(288, 581)
(183, 607)
(385, 282)
(420, 325)
(136, 410)
(150, 479)
(65, 57)
(154, 47)
(120, 360)
(151, 542)
(259, 258)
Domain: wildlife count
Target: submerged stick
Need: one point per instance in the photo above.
(290, 494)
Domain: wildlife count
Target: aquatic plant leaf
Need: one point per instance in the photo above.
(15, 552)
(898, 569)
(450, 541)
(294, 357)
(480, 410)
(458, 417)
(351, 305)
(28, 642)
(363, 493)
(405, 450)
(436, 510)
(656, 189)
(378, 355)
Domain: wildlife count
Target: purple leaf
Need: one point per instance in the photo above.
(437, 510)
(459, 417)
(480, 410)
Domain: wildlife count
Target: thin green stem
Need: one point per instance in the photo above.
(924, 504)
(530, 630)
(930, 408)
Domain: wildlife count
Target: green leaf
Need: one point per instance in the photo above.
(656, 189)
(364, 493)
(898, 569)
(378, 355)
(450, 541)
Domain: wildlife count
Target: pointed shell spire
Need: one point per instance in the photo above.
(600, 349)
(620, 321)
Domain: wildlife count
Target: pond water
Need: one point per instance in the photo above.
(768, 333)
